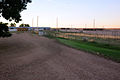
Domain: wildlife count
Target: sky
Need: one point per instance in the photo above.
(73, 13)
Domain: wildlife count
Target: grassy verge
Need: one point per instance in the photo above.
(108, 51)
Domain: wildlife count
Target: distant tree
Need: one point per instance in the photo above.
(13, 25)
(27, 25)
(24, 25)
(21, 25)
(4, 30)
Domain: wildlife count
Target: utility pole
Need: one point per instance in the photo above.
(37, 20)
(85, 25)
(71, 26)
(37, 23)
(57, 22)
(103, 27)
(32, 22)
(94, 23)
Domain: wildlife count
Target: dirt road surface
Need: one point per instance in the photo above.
(30, 57)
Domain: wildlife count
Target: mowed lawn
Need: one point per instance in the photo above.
(108, 51)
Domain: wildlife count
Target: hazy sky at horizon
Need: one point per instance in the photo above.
(73, 12)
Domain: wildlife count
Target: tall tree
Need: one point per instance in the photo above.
(10, 10)
(4, 30)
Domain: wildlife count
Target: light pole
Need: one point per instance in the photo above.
(57, 23)
(37, 20)
(94, 23)
(32, 22)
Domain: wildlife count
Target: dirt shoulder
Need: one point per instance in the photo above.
(29, 57)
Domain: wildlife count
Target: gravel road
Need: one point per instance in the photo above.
(29, 57)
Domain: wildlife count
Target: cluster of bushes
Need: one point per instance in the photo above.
(4, 31)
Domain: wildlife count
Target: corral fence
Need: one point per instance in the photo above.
(104, 36)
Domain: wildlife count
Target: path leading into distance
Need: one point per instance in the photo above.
(29, 57)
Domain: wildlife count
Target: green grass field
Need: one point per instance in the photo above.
(106, 50)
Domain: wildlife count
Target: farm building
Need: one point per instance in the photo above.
(28, 28)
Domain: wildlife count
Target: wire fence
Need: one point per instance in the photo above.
(90, 34)
(111, 37)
